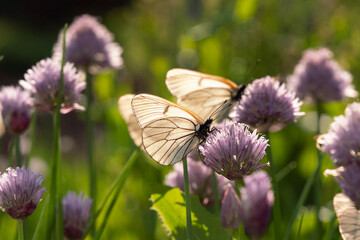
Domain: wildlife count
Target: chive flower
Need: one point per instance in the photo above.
(16, 108)
(267, 106)
(234, 151)
(42, 80)
(89, 45)
(76, 214)
(257, 199)
(19, 192)
(319, 78)
(230, 209)
(349, 180)
(200, 180)
(342, 141)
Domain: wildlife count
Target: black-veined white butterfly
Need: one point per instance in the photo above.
(124, 105)
(201, 92)
(348, 216)
(170, 131)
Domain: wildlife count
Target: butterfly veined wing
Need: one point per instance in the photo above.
(147, 107)
(181, 82)
(124, 105)
(203, 102)
(200, 92)
(168, 130)
(169, 140)
(348, 216)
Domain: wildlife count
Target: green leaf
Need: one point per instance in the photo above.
(1, 57)
(171, 209)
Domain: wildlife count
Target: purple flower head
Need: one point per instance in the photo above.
(257, 199)
(319, 78)
(89, 45)
(200, 180)
(349, 180)
(230, 209)
(234, 151)
(76, 215)
(16, 108)
(42, 80)
(342, 141)
(19, 192)
(267, 106)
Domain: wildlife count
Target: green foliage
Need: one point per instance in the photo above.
(117, 186)
(171, 208)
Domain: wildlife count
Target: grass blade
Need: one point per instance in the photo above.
(116, 186)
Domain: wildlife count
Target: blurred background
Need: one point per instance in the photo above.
(224, 38)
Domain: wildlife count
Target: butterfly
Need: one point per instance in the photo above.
(348, 216)
(201, 92)
(170, 131)
(124, 105)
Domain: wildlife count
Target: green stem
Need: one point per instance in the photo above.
(56, 171)
(241, 231)
(20, 230)
(276, 212)
(41, 221)
(18, 151)
(300, 225)
(318, 182)
(33, 137)
(117, 185)
(237, 190)
(187, 201)
(24, 228)
(90, 146)
(300, 203)
(281, 174)
(315, 177)
(216, 192)
(331, 228)
(237, 186)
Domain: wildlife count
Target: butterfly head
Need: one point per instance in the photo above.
(237, 94)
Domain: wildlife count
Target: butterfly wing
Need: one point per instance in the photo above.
(205, 101)
(169, 140)
(199, 92)
(124, 105)
(181, 82)
(168, 130)
(148, 107)
(348, 216)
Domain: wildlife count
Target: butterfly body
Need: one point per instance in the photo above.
(204, 129)
(236, 95)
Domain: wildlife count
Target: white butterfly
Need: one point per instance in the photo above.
(348, 216)
(124, 105)
(170, 131)
(201, 92)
